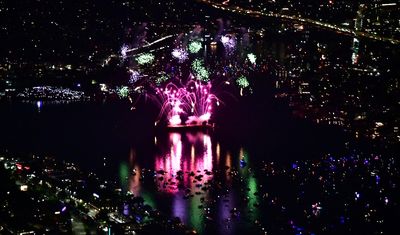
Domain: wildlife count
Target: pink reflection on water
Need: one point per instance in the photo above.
(187, 167)
(134, 182)
(195, 158)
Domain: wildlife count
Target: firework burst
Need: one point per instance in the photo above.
(134, 77)
(192, 101)
(194, 47)
(200, 71)
(124, 51)
(229, 42)
(252, 58)
(180, 54)
(145, 58)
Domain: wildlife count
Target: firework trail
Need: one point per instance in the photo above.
(192, 101)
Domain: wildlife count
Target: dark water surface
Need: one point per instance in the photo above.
(116, 142)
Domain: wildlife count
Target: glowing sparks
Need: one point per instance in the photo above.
(103, 87)
(123, 92)
(242, 82)
(252, 58)
(145, 58)
(180, 54)
(162, 78)
(198, 120)
(182, 91)
(200, 71)
(175, 120)
(224, 40)
(123, 51)
(192, 102)
(194, 47)
(229, 42)
(135, 75)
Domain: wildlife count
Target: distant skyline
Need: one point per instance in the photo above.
(201, 117)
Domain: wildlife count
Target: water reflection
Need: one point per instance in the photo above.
(134, 182)
(180, 164)
(123, 174)
(196, 179)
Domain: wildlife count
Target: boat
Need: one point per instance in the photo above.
(194, 126)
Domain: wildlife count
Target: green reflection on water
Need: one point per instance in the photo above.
(196, 217)
(253, 199)
(148, 199)
(124, 175)
(251, 183)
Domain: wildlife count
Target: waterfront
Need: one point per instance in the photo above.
(102, 138)
(112, 129)
(303, 98)
(214, 181)
(217, 182)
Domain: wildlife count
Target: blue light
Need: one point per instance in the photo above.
(242, 163)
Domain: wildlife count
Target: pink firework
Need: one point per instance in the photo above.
(201, 101)
(192, 101)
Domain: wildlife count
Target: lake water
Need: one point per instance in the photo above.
(115, 142)
(205, 178)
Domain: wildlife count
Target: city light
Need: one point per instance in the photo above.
(200, 117)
